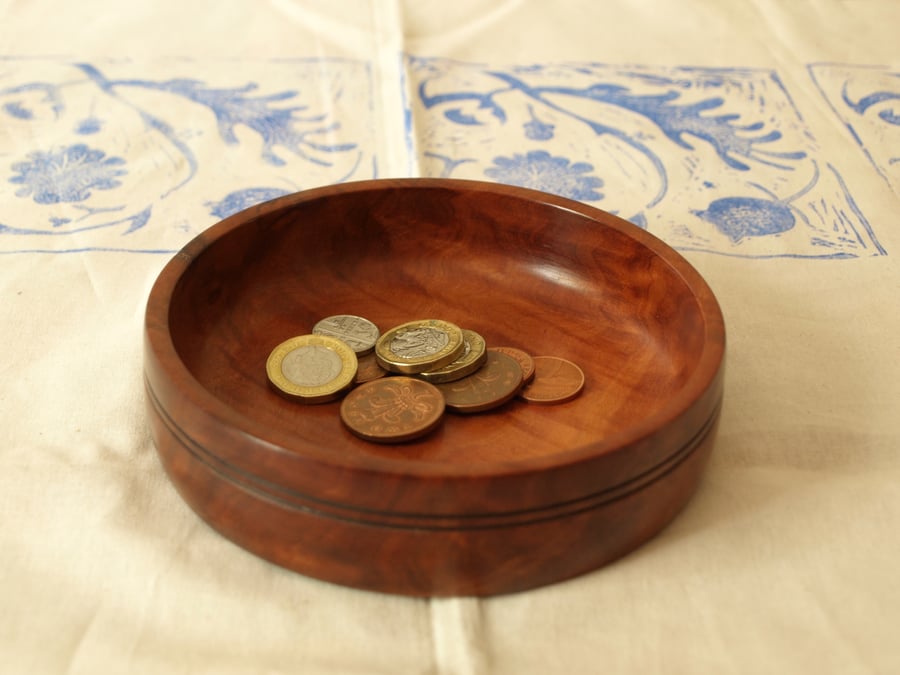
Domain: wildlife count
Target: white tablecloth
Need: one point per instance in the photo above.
(759, 138)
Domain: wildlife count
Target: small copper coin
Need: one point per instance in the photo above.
(368, 369)
(392, 409)
(555, 380)
(524, 359)
(496, 382)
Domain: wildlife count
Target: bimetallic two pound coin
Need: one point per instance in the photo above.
(312, 368)
(392, 409)
(555, 380)
(473, 357)
(361, 334)
(419, 346)
(495, 383)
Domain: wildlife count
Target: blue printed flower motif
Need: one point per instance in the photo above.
(740, 217)
(541, 171)
(536, 129)
(239, 200)
(67, 174)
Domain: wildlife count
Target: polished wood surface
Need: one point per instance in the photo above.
(489, 503)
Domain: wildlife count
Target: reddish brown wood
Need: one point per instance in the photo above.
(489, 503)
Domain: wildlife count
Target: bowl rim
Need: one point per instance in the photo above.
(706, 374)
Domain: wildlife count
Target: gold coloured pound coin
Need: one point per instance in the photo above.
(312, 368)
(420, 346)
(473, 357)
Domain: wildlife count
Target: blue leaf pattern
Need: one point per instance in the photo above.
(276, 126)
(715, 160)
(89, 125)
(128, 144)
(867, 101)
(16, 109)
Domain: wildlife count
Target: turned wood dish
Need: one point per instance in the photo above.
(488, 503)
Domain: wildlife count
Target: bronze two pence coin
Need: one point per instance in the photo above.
(555, 380)
(368, 369)
(524, 359)
(392, 409)
(495, 383)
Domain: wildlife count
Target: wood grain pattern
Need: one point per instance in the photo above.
(471, 508)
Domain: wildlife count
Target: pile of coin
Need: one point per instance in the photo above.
(397, 385)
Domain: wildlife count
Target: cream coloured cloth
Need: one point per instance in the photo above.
(760, 138)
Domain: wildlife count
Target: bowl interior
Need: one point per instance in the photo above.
(521, 271)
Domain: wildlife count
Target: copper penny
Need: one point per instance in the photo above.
(524, 359)
(555, 380)
(496, 382)
(368, 369)
(392, 409)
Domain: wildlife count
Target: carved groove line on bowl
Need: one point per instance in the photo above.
(292, 499)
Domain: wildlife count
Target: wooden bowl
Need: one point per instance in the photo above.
(490, 503)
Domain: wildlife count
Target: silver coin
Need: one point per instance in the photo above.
(359, 333)
(311, 366)
(419, 342)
